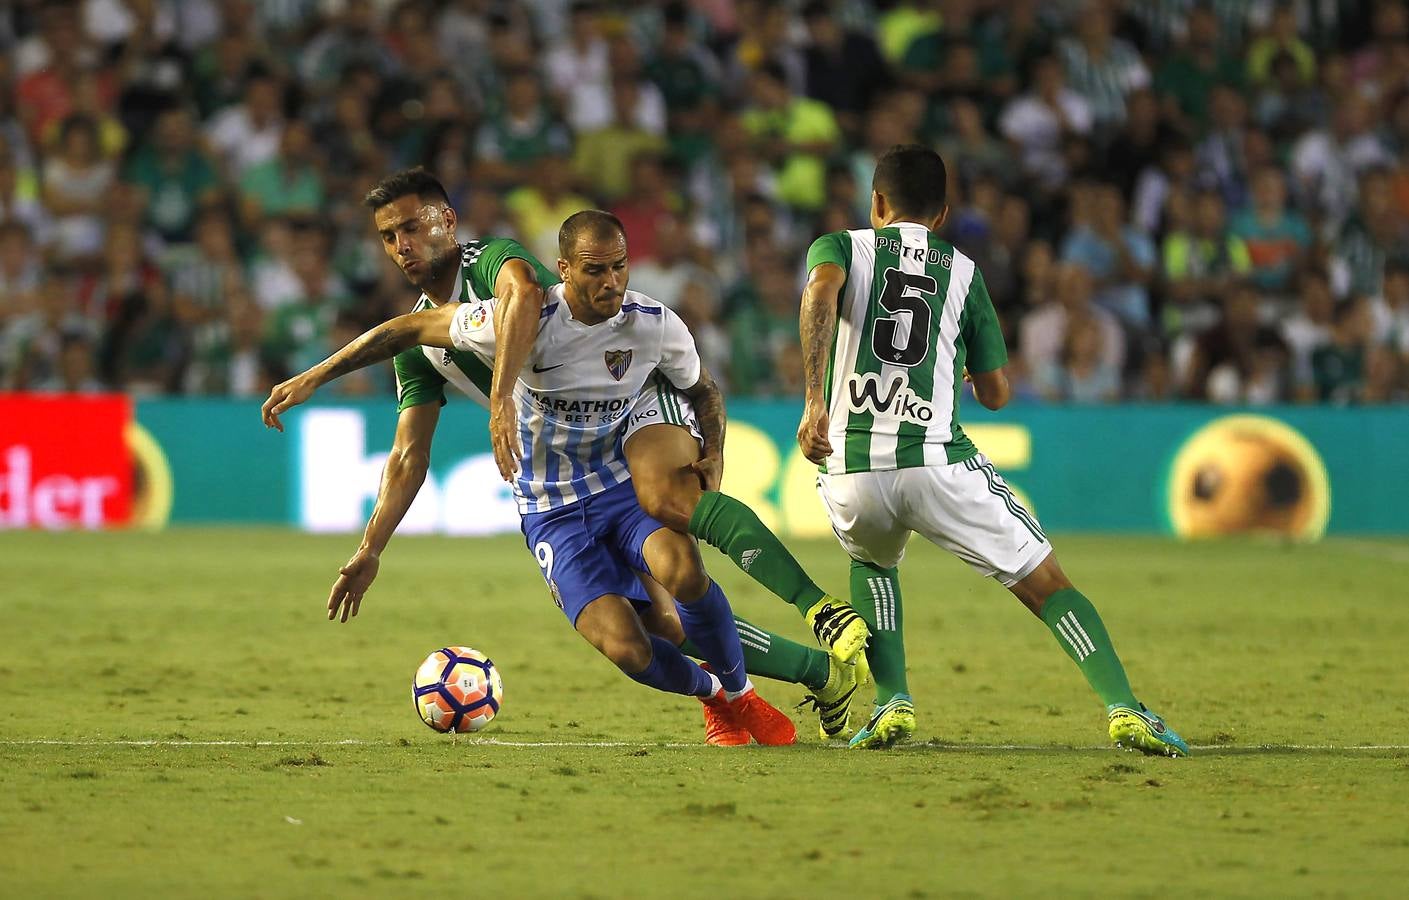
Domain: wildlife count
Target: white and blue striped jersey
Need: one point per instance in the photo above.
(578, 386)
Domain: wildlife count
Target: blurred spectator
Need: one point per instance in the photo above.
(1039, 121)
(1081, 373)
(1140, 143)
(1201, 263)
(74, 372)
(969, 151)
(20, 196)
(348, 39)
(20, 269)
(228, 356)
(1338, 367)
(1101, 67)
(689, 76)
(763, 329)
(651, 212)
(289, 183)
(1308, 328)
(1238, 360)
(1225, 155)
(578, 69)
(519, 133)
(76, 182)
(604, 155)
(668, 271)
(175, 176)
(1393, 328)
(699, 308)
(541, 205)
(1119, 258)
(1375, 234)
(141, 348)
(1327, 162)
(1277, 238)
(1281, 41)
(300, 332)
(792, 133)
(248, 133)
(202, 275)
(844, 67)
(1288, 104)
(1188, 77)
(1042, 333)
(31, 344)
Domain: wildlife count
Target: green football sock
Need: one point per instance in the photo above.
(1083, 636)
(770, 655)
(875, 595)
(730, 526)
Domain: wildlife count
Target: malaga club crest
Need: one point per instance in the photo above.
(618, 361)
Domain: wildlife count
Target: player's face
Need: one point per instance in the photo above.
(419, 237)
(596, 275)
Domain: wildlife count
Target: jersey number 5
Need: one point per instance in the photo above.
(904, 294)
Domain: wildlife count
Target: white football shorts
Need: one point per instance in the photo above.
(660, 403)
(965, 507)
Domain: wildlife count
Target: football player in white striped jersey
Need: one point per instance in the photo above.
(894, 319)
(418, 232)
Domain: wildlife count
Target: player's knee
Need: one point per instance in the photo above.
(690, 582)
(662, 501)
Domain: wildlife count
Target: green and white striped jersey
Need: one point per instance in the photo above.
(422, 372)
(912, 314)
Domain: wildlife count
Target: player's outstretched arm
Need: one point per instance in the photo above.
(516, 318)
(708, 401)
(818, 324)
(430, 327)
(405, 471)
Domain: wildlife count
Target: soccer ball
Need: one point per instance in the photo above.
(457, 689)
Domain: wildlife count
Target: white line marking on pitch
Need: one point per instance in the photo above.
(495, 742)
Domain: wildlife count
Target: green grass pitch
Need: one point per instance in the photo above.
(280, 755)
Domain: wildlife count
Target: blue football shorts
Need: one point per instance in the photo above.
(592, 548)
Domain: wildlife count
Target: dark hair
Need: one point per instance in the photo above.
(593, 222)
(405, 183)
(913, 180)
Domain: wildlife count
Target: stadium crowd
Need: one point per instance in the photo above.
(1169, 199)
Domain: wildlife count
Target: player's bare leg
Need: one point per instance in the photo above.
(708, 622)
(610, 624)
(660, 458)
(1050, 595)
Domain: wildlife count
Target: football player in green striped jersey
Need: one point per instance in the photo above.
(894, 320)
(417, 226)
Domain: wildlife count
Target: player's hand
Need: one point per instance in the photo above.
(504, 438)
(710, 471)
(286, 396)
(812, 434)
(353, 581)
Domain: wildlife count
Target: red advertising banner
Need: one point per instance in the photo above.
(64, 461)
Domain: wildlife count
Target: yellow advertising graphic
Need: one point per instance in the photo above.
(1248, 474)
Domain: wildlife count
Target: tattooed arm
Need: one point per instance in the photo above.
(819, 326)
(430, 327)
(708, 401)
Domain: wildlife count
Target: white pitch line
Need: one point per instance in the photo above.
(496, 742)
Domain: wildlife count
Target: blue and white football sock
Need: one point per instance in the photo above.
(709, 625)
(671, 671)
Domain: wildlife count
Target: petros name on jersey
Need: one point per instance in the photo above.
(579, 412)
(865, 394)
(930, 256)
